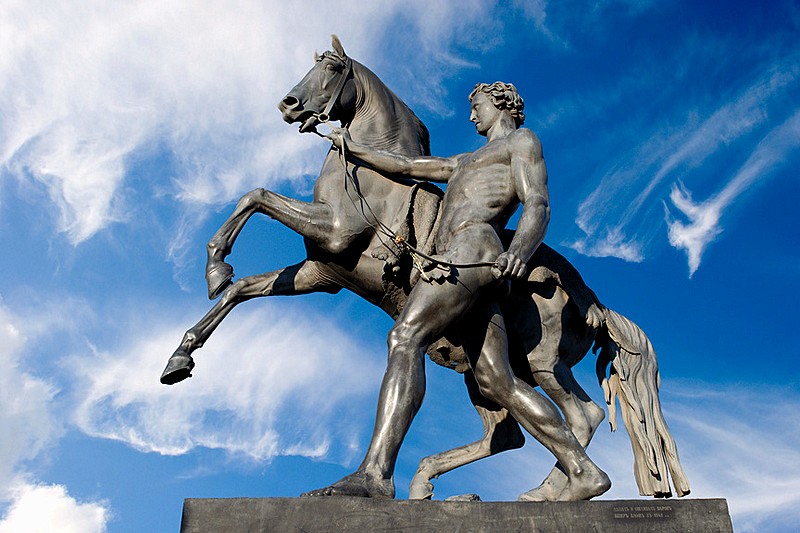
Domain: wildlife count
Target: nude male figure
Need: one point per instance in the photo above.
(484, 189)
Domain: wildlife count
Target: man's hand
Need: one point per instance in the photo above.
(339, 137)
(508, 266)
(594, 316)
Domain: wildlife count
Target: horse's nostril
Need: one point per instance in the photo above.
(290, 102)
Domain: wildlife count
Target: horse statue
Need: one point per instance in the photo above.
(357, 231)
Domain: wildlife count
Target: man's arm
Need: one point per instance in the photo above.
(426, 168)
(530, 179)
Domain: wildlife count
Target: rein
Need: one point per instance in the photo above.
(379, 227)
(382, 229)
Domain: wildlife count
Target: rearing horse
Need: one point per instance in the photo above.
(347, 228)
(337, 230)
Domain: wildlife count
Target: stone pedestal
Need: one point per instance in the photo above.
(362, 515)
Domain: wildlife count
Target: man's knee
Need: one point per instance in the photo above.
(405, 339)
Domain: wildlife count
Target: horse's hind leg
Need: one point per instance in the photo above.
(315, 221)
(301, 278)
(582, 415)
(500, 432)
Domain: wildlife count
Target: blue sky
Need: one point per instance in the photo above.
(671, 132)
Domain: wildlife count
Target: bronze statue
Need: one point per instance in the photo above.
(367, 232)
(484, 189)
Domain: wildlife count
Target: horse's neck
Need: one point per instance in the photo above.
(381, 120)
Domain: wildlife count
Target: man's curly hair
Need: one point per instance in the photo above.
(504, 96)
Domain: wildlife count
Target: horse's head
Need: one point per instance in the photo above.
(327, 92)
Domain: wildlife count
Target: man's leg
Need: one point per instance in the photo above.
(430, 309)
(488, 355)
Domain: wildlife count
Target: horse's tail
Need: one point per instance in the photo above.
(634, 379)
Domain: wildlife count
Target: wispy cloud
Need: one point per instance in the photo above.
(87, 84)
(277, 381)
(536, 12)
(738, 443)
(88, 88)
(29, 425)
(256, 379)
(612, 244)
(30, 428)
(616, 217)
(741, 444)
(771, 154)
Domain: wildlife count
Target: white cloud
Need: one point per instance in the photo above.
(536, 11)
(615, 217)
(47, 508)
(704, 217)
(266, 384)
(735, 442)
(88, 87)
(742, 444)
(613, 244)
(29, 426)
(88, 83)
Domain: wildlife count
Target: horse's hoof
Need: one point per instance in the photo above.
(463, 498)
(218, 276)
(179, 367)
(420, 490)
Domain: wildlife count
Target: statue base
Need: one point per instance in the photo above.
(343, 514)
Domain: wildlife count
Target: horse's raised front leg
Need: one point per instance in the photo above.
(302, 278)
(316, 221)
(500, 433)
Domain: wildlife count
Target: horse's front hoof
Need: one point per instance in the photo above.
(179, 367)
(218, 276)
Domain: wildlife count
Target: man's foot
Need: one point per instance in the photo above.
(548, 491)
(179, 367)
(586, 485)
(357, 484)
(218, 275)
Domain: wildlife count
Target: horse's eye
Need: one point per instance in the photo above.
(331, 67)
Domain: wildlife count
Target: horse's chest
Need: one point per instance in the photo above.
(333, 182)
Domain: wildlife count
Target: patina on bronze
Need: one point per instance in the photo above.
(361, 234)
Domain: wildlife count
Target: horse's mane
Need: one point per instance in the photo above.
(374, 85)
(424, 135)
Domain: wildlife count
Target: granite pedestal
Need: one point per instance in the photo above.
(340, 514)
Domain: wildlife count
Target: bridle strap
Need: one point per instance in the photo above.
(325, 116)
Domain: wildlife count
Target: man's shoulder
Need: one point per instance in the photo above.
(525, 141)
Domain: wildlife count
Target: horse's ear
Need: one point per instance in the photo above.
(337, 46)
(316, 56)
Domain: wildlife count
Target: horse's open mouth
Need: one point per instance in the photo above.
(310, 123)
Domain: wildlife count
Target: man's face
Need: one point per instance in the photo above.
(484, 113)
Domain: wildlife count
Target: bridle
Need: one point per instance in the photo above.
(325, 116)
(380, 228)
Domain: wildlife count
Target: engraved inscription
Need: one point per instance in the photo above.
(642, 512)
